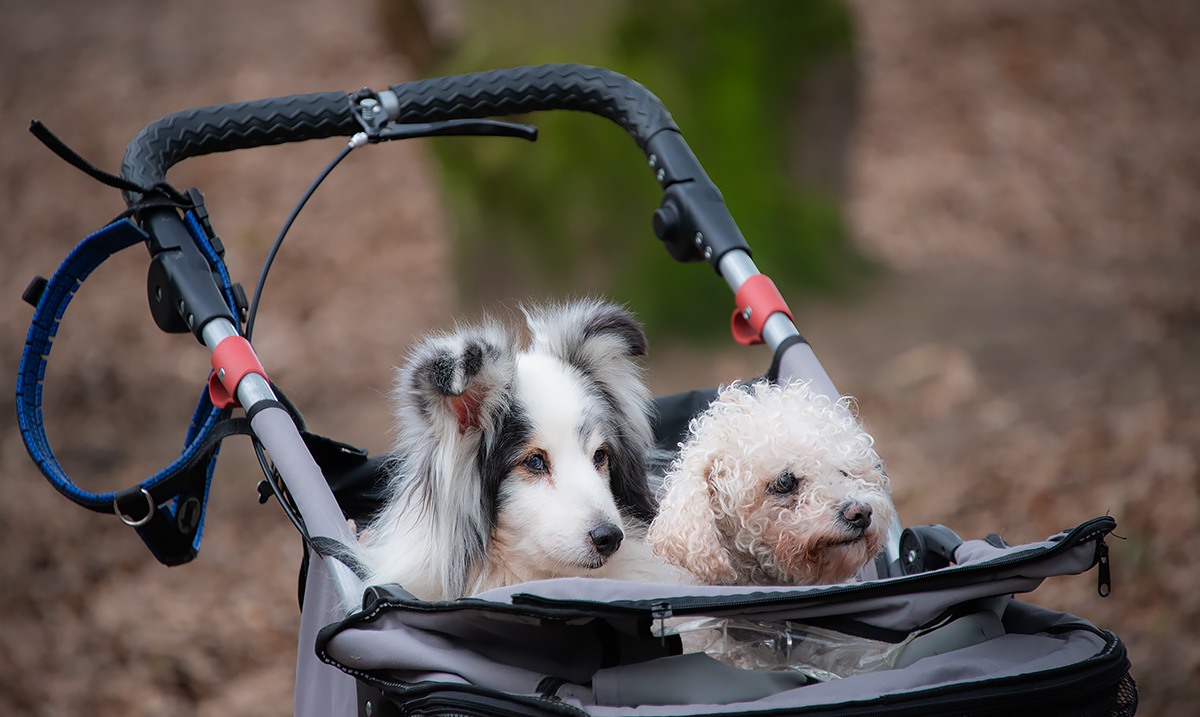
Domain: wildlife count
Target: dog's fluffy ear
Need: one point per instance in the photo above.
(591, 334)
(448, 398)
(603, 341)
(451, 383)
(685, 530)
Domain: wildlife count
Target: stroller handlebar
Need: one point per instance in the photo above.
(692, 222)
(530, 89)
(238, 125)
(296, 118)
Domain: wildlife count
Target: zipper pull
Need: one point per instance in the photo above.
(659, 613)
(1104, 586)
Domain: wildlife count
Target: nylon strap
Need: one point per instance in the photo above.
(166, 509)
(159, 195)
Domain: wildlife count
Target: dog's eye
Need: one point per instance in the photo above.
(784, 484)
(600, 458)
(536, 463)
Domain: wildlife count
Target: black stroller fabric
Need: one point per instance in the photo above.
(600, 647)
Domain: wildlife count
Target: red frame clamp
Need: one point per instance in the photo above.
(232, 359)
(757, 299)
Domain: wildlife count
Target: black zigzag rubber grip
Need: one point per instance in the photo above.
(242, 125)
(238, 125)
(530, 89)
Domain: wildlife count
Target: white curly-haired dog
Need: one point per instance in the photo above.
(776, 485)
(519, 463)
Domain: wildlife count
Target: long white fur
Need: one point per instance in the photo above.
(719, 518)
(575, 390)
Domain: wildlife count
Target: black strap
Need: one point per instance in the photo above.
(73, 158)
(773, 372)
(172, 533)
(159, 195)
(330, 548)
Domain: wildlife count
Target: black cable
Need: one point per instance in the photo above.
(262, 277)
(281, 494)
(462, 127)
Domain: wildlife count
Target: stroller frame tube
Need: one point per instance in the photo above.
(736, 267)
(306, 484)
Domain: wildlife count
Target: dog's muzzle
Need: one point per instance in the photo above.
(606, 539)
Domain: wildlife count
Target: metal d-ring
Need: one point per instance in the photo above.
(136, 523)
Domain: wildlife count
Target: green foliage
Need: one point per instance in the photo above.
(570, 214)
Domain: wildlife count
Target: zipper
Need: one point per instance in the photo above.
(1104, 581)
(1089, 677)
(660, 612)
(424, 698)
(1097, 527)
(1005, 695)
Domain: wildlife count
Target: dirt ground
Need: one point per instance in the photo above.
(1027, 172)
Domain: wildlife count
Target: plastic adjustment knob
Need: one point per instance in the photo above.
(927, 547)
(666, 222)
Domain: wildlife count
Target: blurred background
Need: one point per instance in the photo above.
(985, 216)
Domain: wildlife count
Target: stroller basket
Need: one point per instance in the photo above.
(966, 647)
(900, 641)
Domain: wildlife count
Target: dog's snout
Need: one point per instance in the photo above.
(857, 514)
(607, 538)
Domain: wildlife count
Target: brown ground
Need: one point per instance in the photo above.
(1029, 170)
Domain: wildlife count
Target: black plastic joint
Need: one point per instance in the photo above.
(199, 210)
(672, 160)
(694, 224)
(183, 294)
(692, 221)
(239, 300)
(927, 547)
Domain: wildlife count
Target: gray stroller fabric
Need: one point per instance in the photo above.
(321, 689)
(602, 645)
(693, 678)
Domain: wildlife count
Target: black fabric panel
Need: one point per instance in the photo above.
(673, 413)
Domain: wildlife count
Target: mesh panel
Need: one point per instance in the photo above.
(1120, 700)
(1125, 700)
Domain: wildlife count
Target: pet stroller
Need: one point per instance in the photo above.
(931, 627)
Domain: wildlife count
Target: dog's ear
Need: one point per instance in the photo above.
(598, 338)
(603, 341)
(449, 399)
(588, 333)
(451, 383)
(685, 530)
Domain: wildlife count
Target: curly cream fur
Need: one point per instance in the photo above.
(720, 518)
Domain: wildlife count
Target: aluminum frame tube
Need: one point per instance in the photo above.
(310, 492)
(305, 482)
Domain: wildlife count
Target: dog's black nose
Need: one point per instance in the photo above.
(857, 514)
(607, 538)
